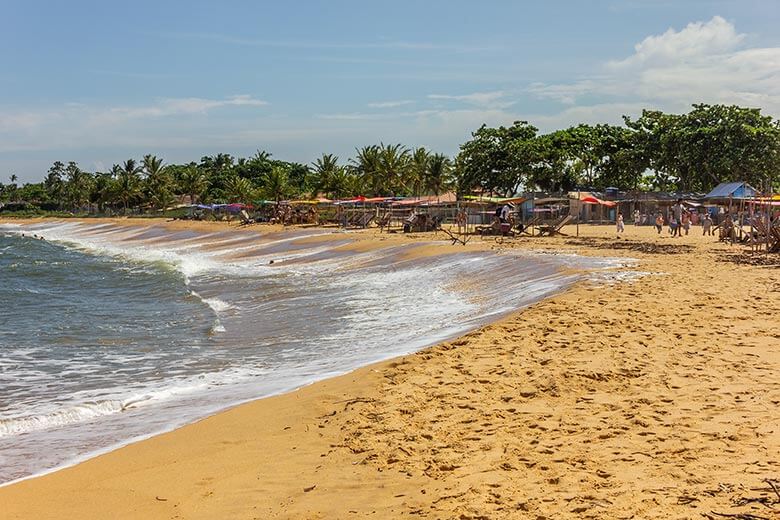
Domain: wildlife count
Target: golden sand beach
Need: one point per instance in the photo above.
(656, 396)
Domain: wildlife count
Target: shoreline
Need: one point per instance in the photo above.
(396, 393)
(411, 251)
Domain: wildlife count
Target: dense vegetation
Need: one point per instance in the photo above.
(658, 151)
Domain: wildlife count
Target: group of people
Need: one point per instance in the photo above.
(680, 219)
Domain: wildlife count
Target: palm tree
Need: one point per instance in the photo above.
(275, 185)
(53, 183)
(192, 182)
(158, 182)
(102, 190)
(343, 183)
(79, 185)
(438, 175)
(393, 163)
(366, 166)
(325, 168)
(152, 165)
(415, 175)
(127, 181)
(239, 189)
(12, 188)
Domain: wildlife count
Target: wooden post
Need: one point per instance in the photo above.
(579, 211)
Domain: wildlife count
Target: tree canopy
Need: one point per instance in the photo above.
(659, 151)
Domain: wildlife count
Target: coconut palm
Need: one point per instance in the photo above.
(393, 163)
(192, 182)
(102, 189)
(159, 184)
(78, 185)
(343, 183)
(152, 165)
(366, 166)
(438, 175)
(325, 168)
(239, 189)
(414, 178)
(127, 181)
(276, 186)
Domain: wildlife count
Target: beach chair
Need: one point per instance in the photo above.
(774, 239)
(759, 233)
(245, 219)
(492, 229)
(555, 227)
(384, 220)
(528, 226)
(365, 219)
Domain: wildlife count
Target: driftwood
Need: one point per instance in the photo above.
(739, 516)
(455, 238)
(766, 501)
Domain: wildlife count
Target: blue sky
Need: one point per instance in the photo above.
(99, 82)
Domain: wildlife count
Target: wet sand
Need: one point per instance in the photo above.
(651, 398)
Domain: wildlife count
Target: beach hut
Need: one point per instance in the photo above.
(582, 204)
(731, 197)
(732, 190)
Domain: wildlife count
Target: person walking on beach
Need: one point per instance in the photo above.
(677, 212)
(686, 222)
(620, 226)
(636, 217)
(673, 227)
(504, 214)
(706, 224)
(659, 222)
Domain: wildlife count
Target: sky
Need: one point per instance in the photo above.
(99, 82)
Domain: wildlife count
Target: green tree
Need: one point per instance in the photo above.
(722, 143)
(276, 186)
(413, 181)
(324, 169)
(256, 168)
(191, 181)
(103, 190)
(365, 165)
(33, 193)
(78, 185)
(127, 181)
(497, 160)
(553, 169)
(438, 174)
(239, 189)
(392, 168)
(299, 179)
(218, 170)
(10, 191)
(54, 182)
(158, 183)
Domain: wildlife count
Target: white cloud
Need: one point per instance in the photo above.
(390, 104)
(74, 125)
(566, 93)
(697, 39)
(354, 116)
(306, 45)
(496, 98)
(703, 62)
(182, 106)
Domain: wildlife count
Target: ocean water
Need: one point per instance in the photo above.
(110, 334)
